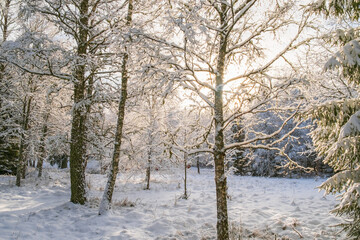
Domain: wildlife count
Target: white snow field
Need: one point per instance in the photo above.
(259, 208)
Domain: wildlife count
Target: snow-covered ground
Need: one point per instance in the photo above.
(259, 208)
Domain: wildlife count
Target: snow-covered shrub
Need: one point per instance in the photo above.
(268, 162)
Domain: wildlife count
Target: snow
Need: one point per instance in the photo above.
(351, 127)
(258, 208)
(347, 56)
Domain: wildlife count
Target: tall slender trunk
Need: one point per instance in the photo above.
(198, 164)
(79, 118)
(150, 137)
(89, 88)
(150, 153)
(21, 166)
(148, 170)
(4, 27)
(114, 168)
(44, 132)
(5, 22)
(185, 175)
(24, 161)
(105, 204)
(219, 152)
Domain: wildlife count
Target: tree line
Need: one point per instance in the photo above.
(230, 80)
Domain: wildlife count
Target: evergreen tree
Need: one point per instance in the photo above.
(9, 147)
(337, 135)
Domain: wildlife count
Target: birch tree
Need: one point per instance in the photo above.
(152, 131)
(222, 50)
(48, 127)
(85, 29)
(27, 105)
(140, 65)
(105, 203)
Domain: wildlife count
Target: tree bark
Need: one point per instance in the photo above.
(148, 170)
(185, 175)
(21, 166)
(44, 131)
(5, 23)
(78, 126)
(198, 164)
(151, 130)
(78, 144)
(105, 204)
(219, 152)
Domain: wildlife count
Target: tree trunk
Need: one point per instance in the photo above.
(78, 146)
(105, 204)
(42, 143)
(185, 175)
(25, 164)
(198, 164)
(78, 126)
(21, 166)
(148, 169)
(4, 25)
(26, 118)
(89, 97)
(5, 20)
(219, 152)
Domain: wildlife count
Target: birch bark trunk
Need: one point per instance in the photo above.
(105, 204)
(219, 151)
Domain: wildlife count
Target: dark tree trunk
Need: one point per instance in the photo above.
(185, 175)
(198, 164)
(21, 166)
(78, 126)
(105, 204)
(89, 97)
(114, 168)
(148, 169)
(25, 163)
(64, 161)
(78, 144)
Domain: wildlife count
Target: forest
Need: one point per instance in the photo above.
(179, 119)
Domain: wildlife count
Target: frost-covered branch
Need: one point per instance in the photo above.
(289, 46)
(268, 136)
